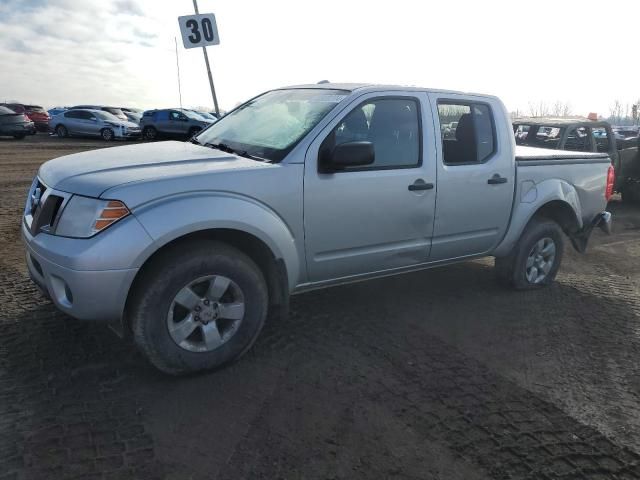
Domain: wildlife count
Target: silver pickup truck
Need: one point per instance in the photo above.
(191, 246)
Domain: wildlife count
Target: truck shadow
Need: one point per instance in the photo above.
(402, 360)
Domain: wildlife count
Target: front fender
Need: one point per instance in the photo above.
(530, 198)
(173, 217)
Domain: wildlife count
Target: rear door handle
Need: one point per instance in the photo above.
(497, 179)
(420, 185)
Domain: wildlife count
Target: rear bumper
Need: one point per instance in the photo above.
(18, 129)
(603, 222)
(581, 239)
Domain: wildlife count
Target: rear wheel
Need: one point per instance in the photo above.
(19, 136)
(107, 134)
(61, 131)
(536, 258)
(198, 307)
(149, 133)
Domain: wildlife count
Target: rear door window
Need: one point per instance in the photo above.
(467, 131)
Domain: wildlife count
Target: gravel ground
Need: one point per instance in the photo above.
(433, 375)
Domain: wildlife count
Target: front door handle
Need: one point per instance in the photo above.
(420, 185)
(497, 179)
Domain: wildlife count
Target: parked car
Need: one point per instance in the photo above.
(56, 110)
(132, 109)
(174, 122)
(115, 111)
(625, 133)
(585, 135)
(35, 113)
(16, 125)
(189, 245)
(206, 115)
(134, 117)
(96, 123)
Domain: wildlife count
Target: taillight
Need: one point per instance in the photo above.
(611, 179)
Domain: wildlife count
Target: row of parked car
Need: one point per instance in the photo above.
(109, 123)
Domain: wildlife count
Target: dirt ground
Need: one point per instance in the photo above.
(440, 374)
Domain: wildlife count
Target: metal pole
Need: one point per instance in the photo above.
(206, 61)
(178, 65)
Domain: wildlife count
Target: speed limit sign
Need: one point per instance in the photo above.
(199, 30)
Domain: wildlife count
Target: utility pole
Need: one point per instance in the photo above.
(206, 61)
(178, 65)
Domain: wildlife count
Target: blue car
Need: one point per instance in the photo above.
(173, 122)
(56, 110)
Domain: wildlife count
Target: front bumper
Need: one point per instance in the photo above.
(119, 133)
(85, 278)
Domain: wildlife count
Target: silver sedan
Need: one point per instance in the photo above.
(97, 123)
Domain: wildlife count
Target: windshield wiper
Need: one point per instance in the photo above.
(220, 146)
(227, 149)
(194, 140)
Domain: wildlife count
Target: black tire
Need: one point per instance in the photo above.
(62, 131)
(168, 274)
(193, 131)
(512, 269)
(149, 133)
(107, 134)
(19, 136)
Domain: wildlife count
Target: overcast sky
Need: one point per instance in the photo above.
(121, 52)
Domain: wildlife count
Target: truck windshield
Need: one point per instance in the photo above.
(271, 125)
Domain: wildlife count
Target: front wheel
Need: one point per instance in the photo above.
(19, 136)
(197, 307)
(149, 133)
(61, 131)
(107, 134)
(193, 131)
(536, 258)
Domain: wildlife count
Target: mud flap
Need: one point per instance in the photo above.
(580, 239)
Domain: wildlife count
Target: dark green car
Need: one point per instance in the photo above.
(583, 135)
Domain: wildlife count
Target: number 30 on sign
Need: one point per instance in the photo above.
(199, 30)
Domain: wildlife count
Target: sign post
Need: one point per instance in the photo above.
(199, 31)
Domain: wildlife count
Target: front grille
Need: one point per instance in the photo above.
(45, 216)
(43, 207)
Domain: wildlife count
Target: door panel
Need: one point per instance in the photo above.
(71, 123)
(474, 196)
(368, 220)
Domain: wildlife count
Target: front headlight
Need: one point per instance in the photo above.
(83, 217)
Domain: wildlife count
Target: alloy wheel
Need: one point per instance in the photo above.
(540, 260)
(206, 313)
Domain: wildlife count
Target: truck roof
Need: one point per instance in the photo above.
(365, 87)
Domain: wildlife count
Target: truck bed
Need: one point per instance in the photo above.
(531, 154)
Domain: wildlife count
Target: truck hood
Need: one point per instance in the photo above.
(92, 173)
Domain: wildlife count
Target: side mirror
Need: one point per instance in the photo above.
(351, 154)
